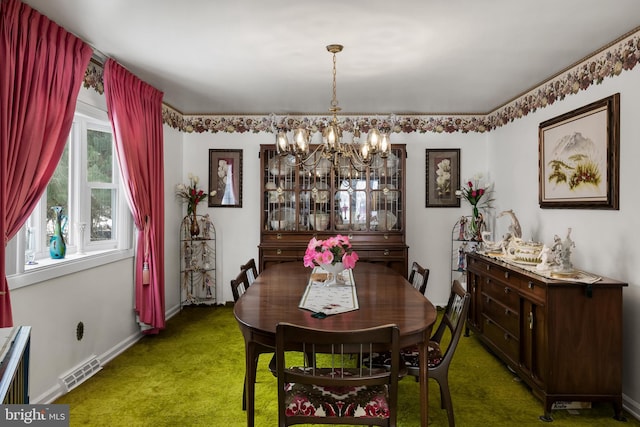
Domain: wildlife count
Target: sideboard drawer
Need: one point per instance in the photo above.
(505, 342)
(504, 316)
(501, 292)
(534, 290)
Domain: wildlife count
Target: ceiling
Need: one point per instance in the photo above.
(403, 57)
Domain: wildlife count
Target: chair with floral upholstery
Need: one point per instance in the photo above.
(329, 387)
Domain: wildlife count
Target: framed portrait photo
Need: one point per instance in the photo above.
(225, 178)
(442, 177)
(579, 155)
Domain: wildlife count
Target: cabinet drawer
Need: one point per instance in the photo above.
(502, 339)
(497, 272)
(381, 254)
(504, 316)
(507, 295)
(534, 290)
(284, 252)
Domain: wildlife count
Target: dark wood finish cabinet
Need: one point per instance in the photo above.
(563, 338)
(321, 199)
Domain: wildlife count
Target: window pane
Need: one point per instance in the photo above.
(99, 156)
(58, 195)
(102, 205)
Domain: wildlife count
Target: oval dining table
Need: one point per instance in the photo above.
(383, 296)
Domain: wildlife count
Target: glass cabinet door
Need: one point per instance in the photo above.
(319, 197)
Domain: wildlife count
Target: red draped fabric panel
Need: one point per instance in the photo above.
(135, 111)
(41, 71)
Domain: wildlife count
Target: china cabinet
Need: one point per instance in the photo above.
(198, 261)
(563, 338)
(321, 199)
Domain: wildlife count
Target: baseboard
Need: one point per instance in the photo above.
(56, 391)
(631, 406)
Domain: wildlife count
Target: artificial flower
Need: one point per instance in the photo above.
(332, 250)
(191, 194)
(476, 194)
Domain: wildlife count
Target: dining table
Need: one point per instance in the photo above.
(383, 297)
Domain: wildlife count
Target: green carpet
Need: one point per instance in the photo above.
(192, 374)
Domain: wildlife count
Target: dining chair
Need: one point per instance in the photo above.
(441, 353)
(239, 286)
(330, 387)
(251, 269)
(418, 277)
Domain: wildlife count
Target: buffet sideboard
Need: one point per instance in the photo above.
(563, 338)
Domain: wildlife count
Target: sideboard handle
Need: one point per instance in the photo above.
(506, 290)
(530, 285)
(386, 236)
(386, 252)
(279, 236)
(506, 274)
(279, 251)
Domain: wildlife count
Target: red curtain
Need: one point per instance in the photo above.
(135, 111)
(41, 71)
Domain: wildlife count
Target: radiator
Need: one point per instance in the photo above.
(14, 365)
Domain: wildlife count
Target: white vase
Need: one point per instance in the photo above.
(335, 274)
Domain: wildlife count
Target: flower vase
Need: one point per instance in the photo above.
(335, 274)
(57, 245)
(194, 230)
(473, 227)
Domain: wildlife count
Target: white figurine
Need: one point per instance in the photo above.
(545, 263)
(562, 252)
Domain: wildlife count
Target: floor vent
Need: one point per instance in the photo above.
(81, 374)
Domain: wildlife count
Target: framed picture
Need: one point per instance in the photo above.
(579, 157)
(443, 178)
(225, 178)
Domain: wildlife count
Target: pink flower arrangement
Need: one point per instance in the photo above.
(330, 251)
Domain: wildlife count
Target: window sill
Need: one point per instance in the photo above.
(48, 269)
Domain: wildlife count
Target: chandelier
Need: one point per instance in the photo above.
(333, 148)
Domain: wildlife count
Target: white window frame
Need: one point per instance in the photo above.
(96, 253)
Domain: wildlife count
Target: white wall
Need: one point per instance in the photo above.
(605, 240)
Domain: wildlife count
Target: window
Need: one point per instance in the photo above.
(86, 184)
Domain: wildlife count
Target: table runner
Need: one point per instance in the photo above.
(330, 299)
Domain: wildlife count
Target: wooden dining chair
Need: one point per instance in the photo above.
(239, 286)
(251, 269)
(418, 277)
(329, 387)
(440, 354)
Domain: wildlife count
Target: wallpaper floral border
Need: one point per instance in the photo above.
(609, 62)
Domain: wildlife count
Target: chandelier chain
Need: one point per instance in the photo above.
(334, 101)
